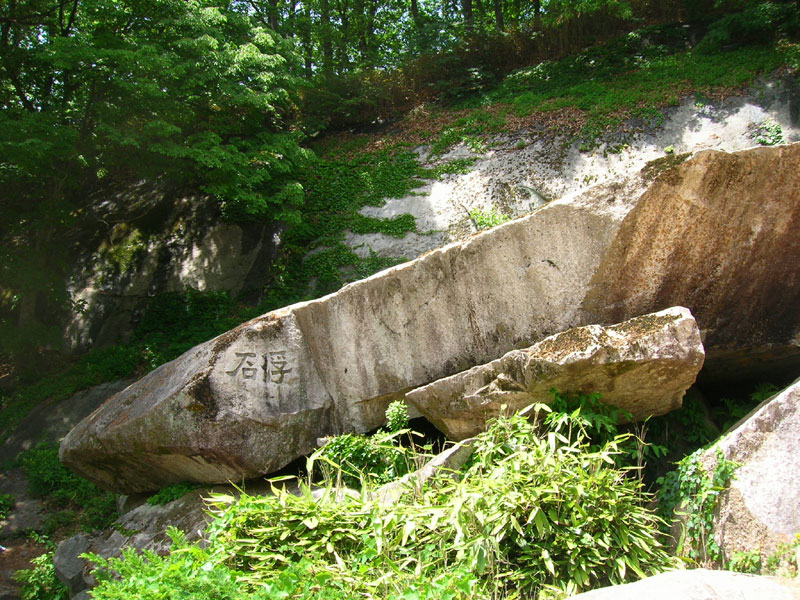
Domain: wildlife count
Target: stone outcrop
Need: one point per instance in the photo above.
(643, 366)
(716, 234)
(697, 584)
(143, 528)
(257, 397)
(761, 507)
(140, 239)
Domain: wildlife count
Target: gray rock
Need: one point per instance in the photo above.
(252, 400)
(715, 234)
(51, 422)
(643, 366)
(28, 513)
(761, 507)
(68, 566)
(697, 584)
(143, 528)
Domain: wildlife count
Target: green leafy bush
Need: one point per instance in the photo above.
(40, 581)
(396, 416)
(7, 503)
(691, 494)
(188, 573)
(486, 219)
(51, 480)
(745, 562)
(758, 23)
(170, 493)
(528, 514)
(358, 459)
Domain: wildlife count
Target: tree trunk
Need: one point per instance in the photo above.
(325, 35)
(469, 23)
(273, 14)
(498, 15)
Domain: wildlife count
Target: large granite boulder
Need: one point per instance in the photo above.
(760, 509)
(698, 584)
(257, 397)
(643, 366)
(717, 234)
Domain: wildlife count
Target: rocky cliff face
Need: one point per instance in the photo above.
(142, 239)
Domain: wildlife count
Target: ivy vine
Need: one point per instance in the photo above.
(691, 493)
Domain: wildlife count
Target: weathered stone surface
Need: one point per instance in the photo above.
(643, 365)
(259, 396)
(211, 415)
(717, 234)
(68, 565)
(697, 584)
(143, 528)
(168, 240)
(451, 459)
(761, 507)
(51, 422)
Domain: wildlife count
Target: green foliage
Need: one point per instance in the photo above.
(769, 133)
(791, 54)
(51, 480)
(396, 416)
(7, 502)
(758, 23)
(40, 581)
(689, 492)
(190, 572)
(359, 460)
(529, 514)
(174, 322)
(785, 561)
(170, 493)
(745, 561)
(628, 77)
(486, 219)
(472, 129)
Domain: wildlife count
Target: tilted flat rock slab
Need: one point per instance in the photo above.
(257, 397)
(252, 400)
(643, 366)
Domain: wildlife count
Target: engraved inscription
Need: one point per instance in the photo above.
(246, 366)
(279, 361)
(274, 366)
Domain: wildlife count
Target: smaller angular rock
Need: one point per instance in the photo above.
(643, 366)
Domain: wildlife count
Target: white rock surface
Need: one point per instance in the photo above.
(697, 584)
(516, 181)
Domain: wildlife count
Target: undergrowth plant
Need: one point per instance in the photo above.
(170, 493)
(71, 500)
(486, 219)
(40, 581)
(690, 495)
(7, 502)
(358, 460)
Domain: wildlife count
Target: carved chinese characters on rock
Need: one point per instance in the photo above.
(271, 367)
